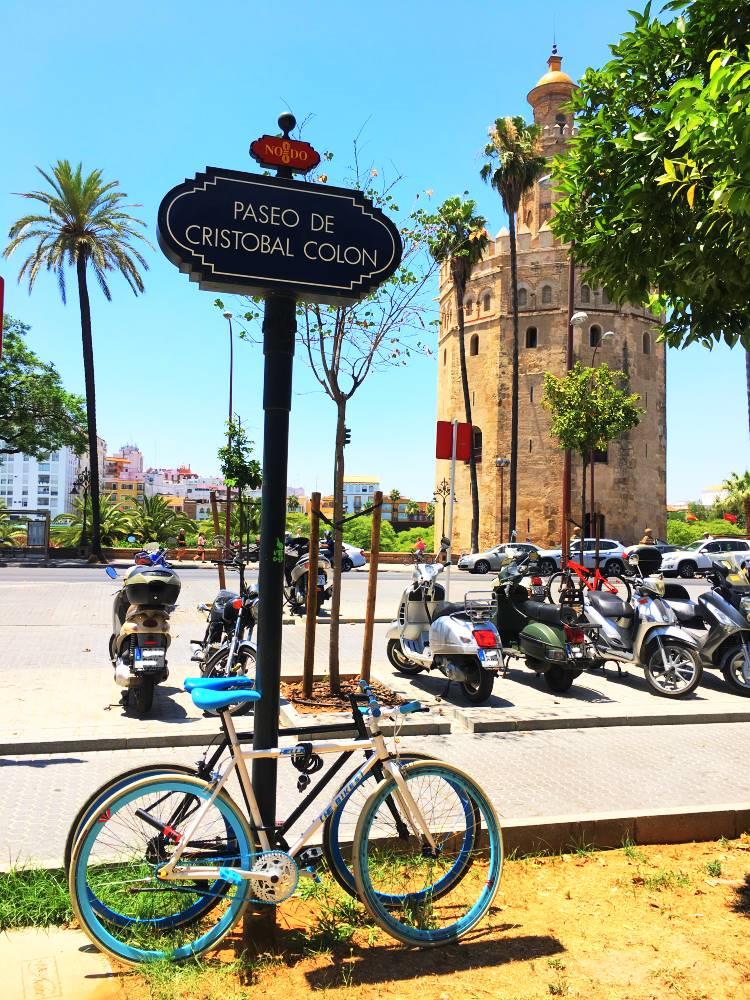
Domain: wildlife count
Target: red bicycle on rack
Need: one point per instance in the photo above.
(567, 586)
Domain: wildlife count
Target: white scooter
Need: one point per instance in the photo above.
(458, 639)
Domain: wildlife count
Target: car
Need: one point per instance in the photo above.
(491, 559)
(686, 562)
(612, 556)
(352, 557)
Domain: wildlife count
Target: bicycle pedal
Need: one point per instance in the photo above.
(231, 875)
(311, 872)
(310, 856)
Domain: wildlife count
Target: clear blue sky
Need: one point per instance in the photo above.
(151, 92)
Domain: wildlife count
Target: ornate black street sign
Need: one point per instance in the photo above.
(238, 232)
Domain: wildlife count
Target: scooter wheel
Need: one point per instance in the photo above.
(559, 680)
(397, 659)
(731, 668)
(141, 697)
(679, 676)
(478, 690)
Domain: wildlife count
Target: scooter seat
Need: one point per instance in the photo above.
(219, 683)
(447, 608)
(215, 701)
(548, 614)
(609, 605)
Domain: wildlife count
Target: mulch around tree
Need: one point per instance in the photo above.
(324, 701)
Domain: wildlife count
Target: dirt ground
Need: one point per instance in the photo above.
(323, 701)
(639, 923)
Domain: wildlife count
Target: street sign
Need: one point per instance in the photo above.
(444, 441)
(237, 232)
(275, 151)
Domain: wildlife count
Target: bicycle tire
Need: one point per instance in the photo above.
(147, 918)
(410, 914)
(623, 588)
(559, 583)
(216, 667)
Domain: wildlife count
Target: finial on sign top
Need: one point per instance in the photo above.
(554, 51)
(287, 121)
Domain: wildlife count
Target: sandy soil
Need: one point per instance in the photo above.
(643, 923)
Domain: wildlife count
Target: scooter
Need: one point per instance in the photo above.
(644, 632)
(458, 639)
(140, 630)
(296, 573)
(723, 615)
(552, 640)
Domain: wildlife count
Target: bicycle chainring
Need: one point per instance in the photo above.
(281, 876)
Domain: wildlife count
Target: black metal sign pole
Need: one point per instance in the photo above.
(279, 328)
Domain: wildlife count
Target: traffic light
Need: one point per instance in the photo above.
(347, 436)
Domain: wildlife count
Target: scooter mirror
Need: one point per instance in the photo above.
(111, 572)
(445, 543)
(633, 559)
(132, 538)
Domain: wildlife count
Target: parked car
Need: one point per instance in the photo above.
(699, 555)
(612, 557)
(492, 559)
(352, 558)
(659, 544)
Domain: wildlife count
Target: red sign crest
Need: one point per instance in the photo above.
(273, 151)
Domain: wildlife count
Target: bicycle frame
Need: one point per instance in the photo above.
(239, 757)
(588, 579)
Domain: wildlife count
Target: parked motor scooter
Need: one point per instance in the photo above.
(723, 616)
(296, 573)
(458, 639)
(644, 632)
(552, 640)
(140, 630)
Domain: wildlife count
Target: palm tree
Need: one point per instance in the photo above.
(459, 239)
(412, 508)
(515, 162)
(151, 519)
(738, 488)
(114, 522)
(292, 504)
(84, 225)
(10, 531)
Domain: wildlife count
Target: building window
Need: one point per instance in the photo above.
(595, 336)
(605, 298)
(531, 337)
(487, 302)
(468, 307)
(601, 456)
(585, 293)
(530, 445)
(646, 401)
(476, 440)
(523, 297)
(474, 346)
(445, 357)
(531, 393)
(546, 295)
(646, 343)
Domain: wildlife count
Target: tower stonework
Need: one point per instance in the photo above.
(631, 477)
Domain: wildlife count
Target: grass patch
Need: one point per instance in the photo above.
(195, 980)
(713, 868)
(34, 897)
(660, 881)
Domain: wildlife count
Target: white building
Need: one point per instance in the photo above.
(28, 484)
(358, 491)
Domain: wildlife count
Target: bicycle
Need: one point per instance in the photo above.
(167, 864)
(561, 588)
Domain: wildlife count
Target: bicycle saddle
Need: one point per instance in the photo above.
(219, 683)
(215, 701)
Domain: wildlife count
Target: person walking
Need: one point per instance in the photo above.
(201, 546)
(420, 546)
(181, 545)
(648, 537)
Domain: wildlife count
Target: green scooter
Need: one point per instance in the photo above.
(550, 639)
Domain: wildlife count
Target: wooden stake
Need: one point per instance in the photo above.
(215, 516)
(312, 597)
(372, 586)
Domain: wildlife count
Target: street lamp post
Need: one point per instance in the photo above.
(442, 492)
(594, 519)
(82, 483)
(227, 533)
(502, 464)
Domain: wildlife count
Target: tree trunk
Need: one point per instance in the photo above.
(459, 284)
(338, 513)
(747, 380)
(513, 477)
(583, 503)
(88, 371)
(746, 505)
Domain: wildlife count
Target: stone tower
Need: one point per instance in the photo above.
(631, 476)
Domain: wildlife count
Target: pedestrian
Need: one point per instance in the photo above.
(420, 546)
(328, 546)
(202, 546)
(181, 545)
(648, 537)
(707, 535)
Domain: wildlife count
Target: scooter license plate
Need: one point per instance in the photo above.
(489, 656)
(538, 593)
(321, 579)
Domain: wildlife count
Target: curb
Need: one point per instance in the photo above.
(506, 724)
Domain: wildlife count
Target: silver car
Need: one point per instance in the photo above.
(612, 556)
(492, 559)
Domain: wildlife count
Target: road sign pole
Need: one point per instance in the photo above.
(449, 554)
(279, 327)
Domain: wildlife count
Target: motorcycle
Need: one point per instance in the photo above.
(723, 615)
(296, 574)
(644, 632)
(552, 640)
(140, 630)
(458, 639)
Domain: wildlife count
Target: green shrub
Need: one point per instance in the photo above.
(684, 532)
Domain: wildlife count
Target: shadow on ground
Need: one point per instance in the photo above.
(742, 901)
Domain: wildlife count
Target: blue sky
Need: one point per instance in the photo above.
(153, 92)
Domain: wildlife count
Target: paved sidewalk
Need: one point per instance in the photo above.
(55, 964)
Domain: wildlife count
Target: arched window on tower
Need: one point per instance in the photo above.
(487, 302)
(595, 336)
(605, 298)
(646, 343)
(531, 337)
(546, 295)
(523, 297)
(474, 345)
(469, 307)
(585, 293)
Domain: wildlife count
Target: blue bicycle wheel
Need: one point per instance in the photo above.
(433, 885)
(123, 905)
